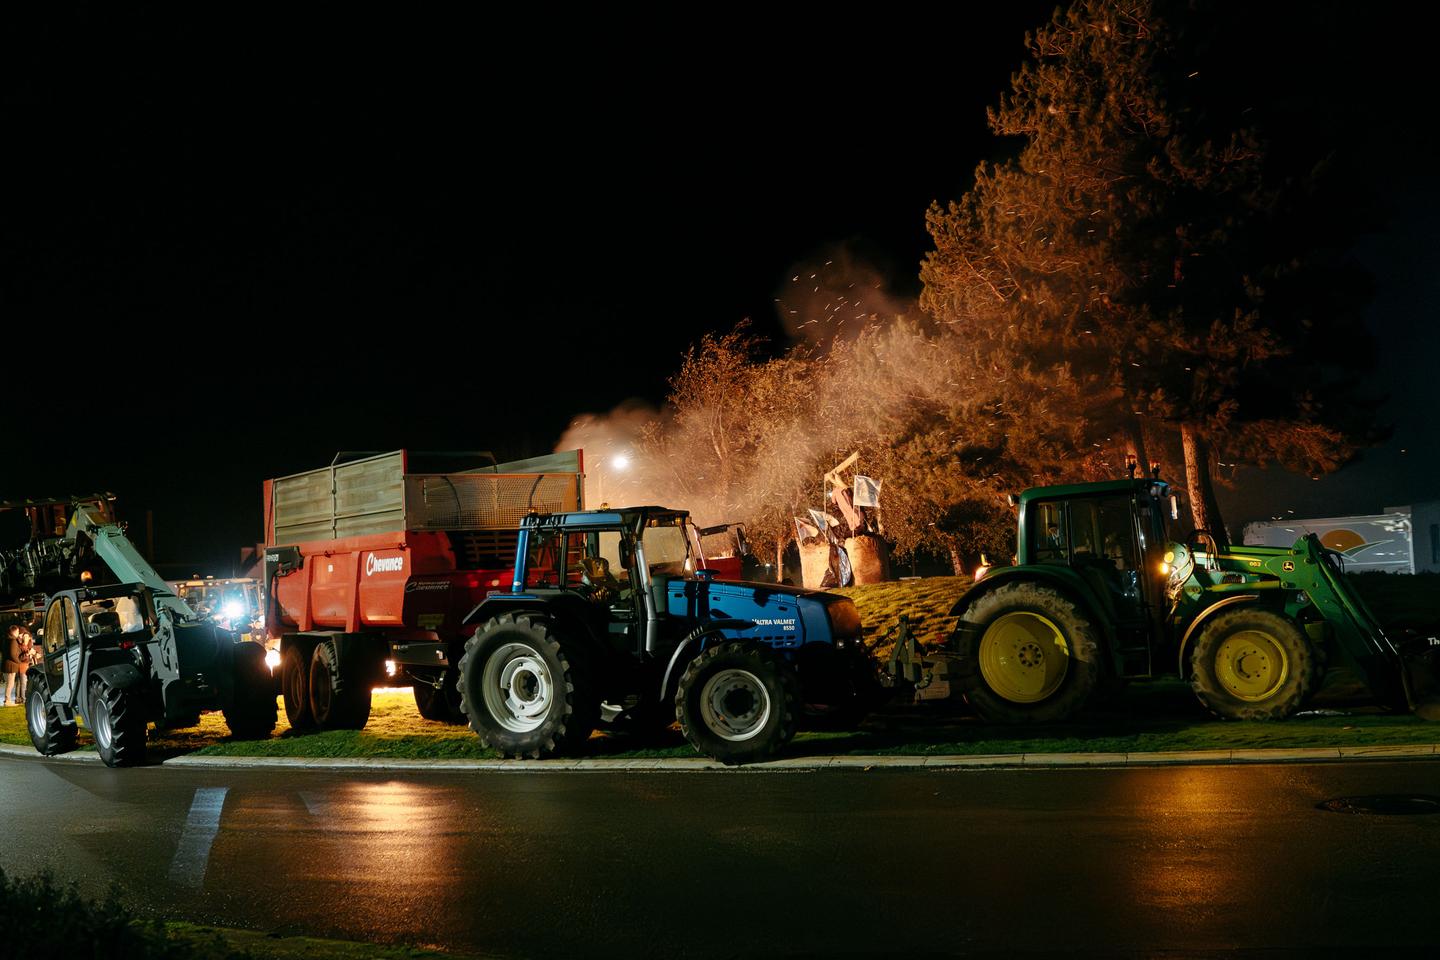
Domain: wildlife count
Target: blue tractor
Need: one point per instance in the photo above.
(613, 613)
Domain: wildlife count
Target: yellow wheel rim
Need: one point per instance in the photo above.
(1024, 657)
(1251, 665)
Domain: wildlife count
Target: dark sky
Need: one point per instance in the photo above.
(232, 246)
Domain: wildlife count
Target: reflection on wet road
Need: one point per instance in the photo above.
(1197, 861)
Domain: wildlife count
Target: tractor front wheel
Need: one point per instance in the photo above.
(1252, 664)
(48, 732)
(527, 689)
(738, 702)
(117, 724)
(1026, 654)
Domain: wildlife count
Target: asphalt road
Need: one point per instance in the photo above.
(1182, 861)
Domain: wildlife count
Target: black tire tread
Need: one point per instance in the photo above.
(127, 725)
(58, 737)
(580, 706)
(1293, 694)
(1082, 637)
(763, 663)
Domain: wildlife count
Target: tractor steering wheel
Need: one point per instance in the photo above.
(1203, 541)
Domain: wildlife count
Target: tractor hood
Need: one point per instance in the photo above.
(780, 615)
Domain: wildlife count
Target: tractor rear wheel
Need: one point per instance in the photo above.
(337, 701)
(252, 713)
(526, 688)
(295, 687)
(442, 704)
(117, 724)
(1251, 664)
(1026, 654)
(48, 732)
(738, 702)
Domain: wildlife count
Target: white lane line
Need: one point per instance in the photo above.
(193, 854)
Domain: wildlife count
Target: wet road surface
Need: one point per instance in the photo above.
(1179, 861)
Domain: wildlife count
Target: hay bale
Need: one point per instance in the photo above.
(869, 559)
(814, 561)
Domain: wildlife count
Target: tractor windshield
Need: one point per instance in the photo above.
(667, 547)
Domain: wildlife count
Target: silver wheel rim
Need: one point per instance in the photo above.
(100, 713)
(36, 708)
(518, 687)
(735, 705)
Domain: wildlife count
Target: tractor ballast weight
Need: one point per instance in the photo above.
(613, 612)
(1100, 594)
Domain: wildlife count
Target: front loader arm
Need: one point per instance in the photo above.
(112, 546)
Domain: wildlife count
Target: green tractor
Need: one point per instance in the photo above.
(1101, 594)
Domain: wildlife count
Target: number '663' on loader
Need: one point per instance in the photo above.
(1100, 594)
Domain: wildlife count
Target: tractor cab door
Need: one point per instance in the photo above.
(61, 644)
(600, 566)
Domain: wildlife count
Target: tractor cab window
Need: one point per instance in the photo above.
(117, 615)
(667, 547)
(599, 565)
(1049, 543)
(546, 559)
(1103, 530)
(57, 629)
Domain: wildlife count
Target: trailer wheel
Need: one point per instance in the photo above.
(295, 687)
(1026, 654)
(117, 723)
(252, 713)
(738, 702)
(527, 690)
(337, 702)
(443, 704)
(1252, 664)
(48, 732)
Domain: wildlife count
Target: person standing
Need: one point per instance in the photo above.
(19, 646)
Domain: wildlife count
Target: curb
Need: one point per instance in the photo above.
(1031, 761)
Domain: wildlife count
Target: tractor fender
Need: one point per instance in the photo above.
(690, 647)
(1193, 630)
(494, 606)
(121, 676)
(1063, 579)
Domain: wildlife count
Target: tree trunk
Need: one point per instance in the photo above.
(1135, 446)
(1198, 478)
(956, 563)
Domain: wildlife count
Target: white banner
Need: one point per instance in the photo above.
(866, 492)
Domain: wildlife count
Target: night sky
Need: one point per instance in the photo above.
(232, 247)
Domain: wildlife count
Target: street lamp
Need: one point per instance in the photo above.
(619, 463)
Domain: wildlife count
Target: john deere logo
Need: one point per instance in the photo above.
(1288, 566)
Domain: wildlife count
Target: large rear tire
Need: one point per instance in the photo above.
(1251, 664)
(295, 687)
(48, 732)
(117, 723)
(252, 714)
(738, 703)
(1026, 654)
(526, 689)
(337, 702)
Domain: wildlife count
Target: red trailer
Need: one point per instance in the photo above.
(371, 565)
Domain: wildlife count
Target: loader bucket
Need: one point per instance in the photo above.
(1420, 661)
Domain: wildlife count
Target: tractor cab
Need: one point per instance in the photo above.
(1113, 537)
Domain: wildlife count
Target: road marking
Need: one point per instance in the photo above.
(192, 856)
(312, 803)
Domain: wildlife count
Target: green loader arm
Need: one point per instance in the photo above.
(120, 555)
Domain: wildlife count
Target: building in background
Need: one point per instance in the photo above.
(1400, 540)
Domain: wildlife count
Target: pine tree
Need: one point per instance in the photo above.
(1148, 254)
